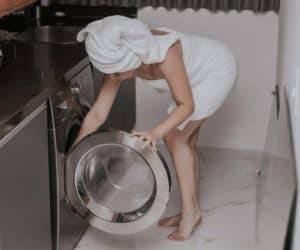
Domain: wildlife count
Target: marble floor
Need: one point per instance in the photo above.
(228, 180)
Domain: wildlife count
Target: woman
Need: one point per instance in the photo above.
(199, 72)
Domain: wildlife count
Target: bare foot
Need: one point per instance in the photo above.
(171, 221)
(186, 226)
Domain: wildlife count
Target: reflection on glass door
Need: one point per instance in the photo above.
(276, 184)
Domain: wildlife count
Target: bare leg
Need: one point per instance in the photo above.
(179, 144)
(193, 141)
(173, 221)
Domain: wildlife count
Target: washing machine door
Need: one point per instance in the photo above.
(113, 184)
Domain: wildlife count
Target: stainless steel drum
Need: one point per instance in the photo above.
(113, 184)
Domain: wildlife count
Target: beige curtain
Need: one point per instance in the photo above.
(213, 5)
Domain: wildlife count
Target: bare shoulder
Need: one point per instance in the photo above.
(173, 55)
(172, 67)
(176, 48)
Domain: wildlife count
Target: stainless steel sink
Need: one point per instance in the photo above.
(50, 34)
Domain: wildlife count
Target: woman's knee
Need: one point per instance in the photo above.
(174, 139)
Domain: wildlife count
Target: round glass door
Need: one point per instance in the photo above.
(115, 183)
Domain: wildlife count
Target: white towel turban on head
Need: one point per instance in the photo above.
(118, 44)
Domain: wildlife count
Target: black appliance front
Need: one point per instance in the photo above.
(85, 83)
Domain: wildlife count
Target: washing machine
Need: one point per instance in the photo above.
(106, 181)
(66, 111)
(109, 180)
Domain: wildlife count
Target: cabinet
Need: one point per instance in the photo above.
(24, 185)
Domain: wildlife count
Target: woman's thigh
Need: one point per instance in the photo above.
(191, 130)
(188, 134)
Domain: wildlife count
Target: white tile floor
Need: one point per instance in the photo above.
(228, 179)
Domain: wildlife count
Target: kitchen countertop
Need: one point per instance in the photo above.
(8, 6)
(36, 72)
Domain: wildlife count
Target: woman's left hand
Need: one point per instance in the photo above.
(149, 137)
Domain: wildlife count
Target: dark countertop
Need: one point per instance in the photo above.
(36, 72)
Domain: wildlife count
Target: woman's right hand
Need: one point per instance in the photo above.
(88, 126)
(101, 108)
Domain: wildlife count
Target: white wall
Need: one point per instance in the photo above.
(242, 121)
(288, 64)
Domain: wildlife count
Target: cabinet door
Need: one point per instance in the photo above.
(24, 185)
(276, 185)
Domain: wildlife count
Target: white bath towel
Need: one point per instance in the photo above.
(118, 44)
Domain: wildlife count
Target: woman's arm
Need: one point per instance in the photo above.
(101, 108)
(174, 71)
